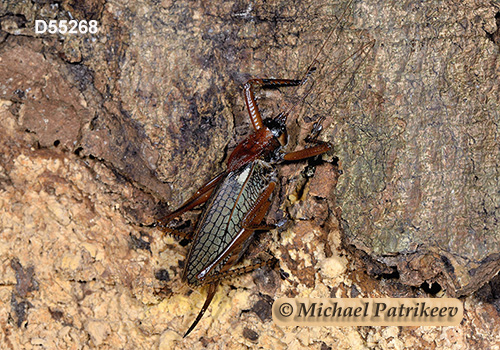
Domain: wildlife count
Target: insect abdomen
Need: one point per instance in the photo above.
(221, 220)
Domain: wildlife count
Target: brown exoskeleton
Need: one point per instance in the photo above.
(237, 200)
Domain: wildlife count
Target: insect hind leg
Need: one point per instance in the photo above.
(177, 233)
(240, 270)
(200, 197)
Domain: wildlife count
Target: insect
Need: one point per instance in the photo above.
(237, 200)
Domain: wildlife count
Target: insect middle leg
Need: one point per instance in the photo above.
(320, 147)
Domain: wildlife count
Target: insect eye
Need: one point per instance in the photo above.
(277, 128)
(283, 138)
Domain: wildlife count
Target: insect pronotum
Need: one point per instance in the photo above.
(237, 199)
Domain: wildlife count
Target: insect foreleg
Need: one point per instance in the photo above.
(308, 152)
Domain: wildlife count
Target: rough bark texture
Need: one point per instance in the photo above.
(421, 178)
(102, 133)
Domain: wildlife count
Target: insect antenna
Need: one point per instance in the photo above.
(313, 65)
(317, 65)
(364, 50)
